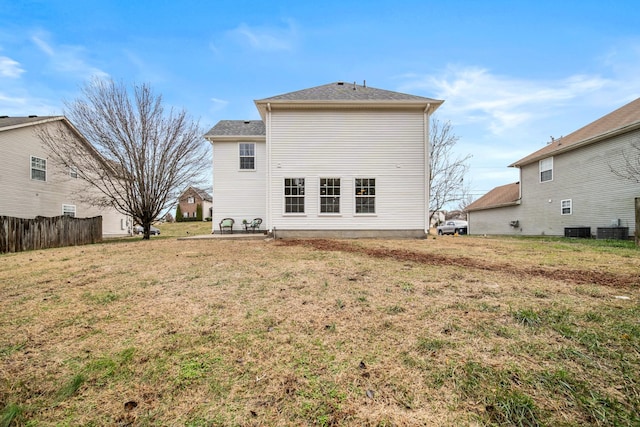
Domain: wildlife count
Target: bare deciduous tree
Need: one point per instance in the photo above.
(138, 156)
(447, 172)
(630, 170)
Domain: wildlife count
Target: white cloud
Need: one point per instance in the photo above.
(67, 59)
(218, 104)
(10, 68)
(266, 39)
(502, 103)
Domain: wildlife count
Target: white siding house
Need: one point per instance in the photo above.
(570, 184)
(335, 160)
(33, 185)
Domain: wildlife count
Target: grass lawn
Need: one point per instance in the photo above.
(445, 331)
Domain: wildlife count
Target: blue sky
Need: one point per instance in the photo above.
(512, 73)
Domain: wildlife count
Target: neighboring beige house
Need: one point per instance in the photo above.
(33, 185)
(335, 160)
(191, 198)
(568, 187)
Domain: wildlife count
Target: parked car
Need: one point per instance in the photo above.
(138, 229)
(453, 227)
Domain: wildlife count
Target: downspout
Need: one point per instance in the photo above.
(268, 171)
(427, 168)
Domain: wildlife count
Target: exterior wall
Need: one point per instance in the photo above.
(496, 221)
(191, 208)
(583, 175)
(237, 194)
(23, 197)
(349, 144)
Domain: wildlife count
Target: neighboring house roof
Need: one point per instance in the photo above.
(7, 123)
(347, 95)
(200, 192)
(238, 128)
(624, 119)
(505, 195)
(342, 91)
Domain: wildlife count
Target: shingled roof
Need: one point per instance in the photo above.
(505, 195)
(342, 91)
(238, 128)
(622, 120)
(7, 122)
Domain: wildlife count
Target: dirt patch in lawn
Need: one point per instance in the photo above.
(579, 277)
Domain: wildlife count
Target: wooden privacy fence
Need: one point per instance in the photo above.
(22, 234)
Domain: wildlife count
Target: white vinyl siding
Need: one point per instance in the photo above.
(237, 193)
(350, 144)
(24, 197)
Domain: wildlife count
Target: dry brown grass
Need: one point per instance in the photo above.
(445, 331)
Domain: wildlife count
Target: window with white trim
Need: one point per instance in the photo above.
(69, 210)
(73, 172)
(247, 156)
(566, 207)
(365, 190)
(546, 169)
(191, 199)
(38, 169)
(294, 195)
(329, 195)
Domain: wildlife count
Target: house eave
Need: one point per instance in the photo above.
(234, 138)
(571, 147)
(500, 205)
(34, 123)
(373, 104)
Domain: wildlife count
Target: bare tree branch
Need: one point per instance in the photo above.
(137, 155)
(447, 173)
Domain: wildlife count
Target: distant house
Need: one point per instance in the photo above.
(193, 197)
(335, 160)
(569, 185)
(33, 185)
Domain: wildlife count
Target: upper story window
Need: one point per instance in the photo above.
(546, 169)
(294, 195)
(365, 195)
(329, 195)
(38, 169)
(247, 156)
(191, 199)
(565, 206)
(73, 172)
(69, 210)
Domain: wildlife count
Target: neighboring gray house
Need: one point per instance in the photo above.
(568, 185)
(335, 160)
(33, 185)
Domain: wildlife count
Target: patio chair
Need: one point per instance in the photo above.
(226, 224)
(255, 224)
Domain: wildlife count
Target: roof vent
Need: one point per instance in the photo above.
(32, 116)
(246, 122)
(4, 117)
(340, 83)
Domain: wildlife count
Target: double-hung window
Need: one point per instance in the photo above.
(38, 169)
(73, 172)
(329, 195)
(191, 200)
(546, 169)
(294, 195)
(247, 156)
(365, 190)
(565, 207)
